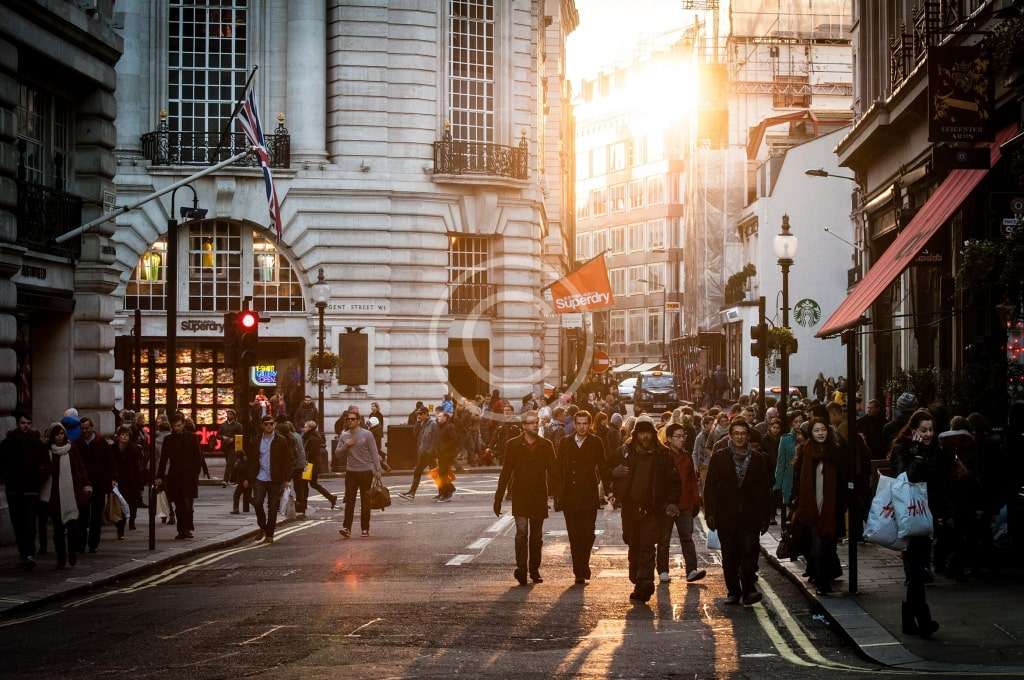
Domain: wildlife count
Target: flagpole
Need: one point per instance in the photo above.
(600, 254)
(238, 105)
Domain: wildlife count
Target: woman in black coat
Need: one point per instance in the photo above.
(916, 452)
(128, 475)
(180, 464)
(316, 453)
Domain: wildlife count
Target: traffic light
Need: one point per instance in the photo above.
(758, 341)
(230, 338)
(247, 325)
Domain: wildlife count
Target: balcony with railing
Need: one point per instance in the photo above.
(168, 147)
(456, 160)
(907, 50)
(44, 213)
(472, 299)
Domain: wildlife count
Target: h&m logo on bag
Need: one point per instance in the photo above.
(888, 511)
(916, 508)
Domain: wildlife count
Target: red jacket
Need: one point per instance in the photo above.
(689, 496)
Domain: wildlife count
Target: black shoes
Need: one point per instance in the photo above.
(907, 618)
(520, 576)
(535, 577)
(750, 599)
(732, 599)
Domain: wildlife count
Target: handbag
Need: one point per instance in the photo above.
(714, 543)
(793, 542)
(307, 472)
(125, 510)
(287, 505)
(380, 497)
(112, 510)
(163, 506)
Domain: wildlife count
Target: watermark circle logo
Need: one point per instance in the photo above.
(512, 317)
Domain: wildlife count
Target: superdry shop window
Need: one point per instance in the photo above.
(204, 384)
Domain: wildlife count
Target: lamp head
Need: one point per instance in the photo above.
(785, 243)
(816, 172)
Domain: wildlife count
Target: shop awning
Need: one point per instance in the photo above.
(640, 368)
(939, 207)
(624, 368)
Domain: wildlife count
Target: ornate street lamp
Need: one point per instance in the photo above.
(321, 294)
(785, 250)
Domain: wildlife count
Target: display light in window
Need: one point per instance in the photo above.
(151, 263)
(209, 255)
(266, 262)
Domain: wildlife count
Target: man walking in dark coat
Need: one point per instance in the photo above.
(270, 458)
(581, 465)
(98, 457)
(738, 505)
(24, 467)
(178, 473)
(530, 460)
(648, 487)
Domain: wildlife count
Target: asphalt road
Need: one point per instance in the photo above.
(429, 594)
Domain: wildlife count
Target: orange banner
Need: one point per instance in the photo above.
(585, 290)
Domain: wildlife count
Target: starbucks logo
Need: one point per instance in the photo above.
(807, 312)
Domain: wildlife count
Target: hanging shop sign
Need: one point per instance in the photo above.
(264, 375)
(961, 94)
(807, 312)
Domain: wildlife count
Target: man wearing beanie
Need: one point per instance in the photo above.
(906, 404)
(648, 486)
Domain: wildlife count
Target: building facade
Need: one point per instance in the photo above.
(57, 107)
(416, 153)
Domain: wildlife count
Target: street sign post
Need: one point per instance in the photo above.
(601, 362)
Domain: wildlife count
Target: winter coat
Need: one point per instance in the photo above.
(316, 453)
(281, 458)
(303, 414)
(580, 468)
(447, 441)
(23, 464)
(98, 457)
(426, 438)
(924, 464)
(128, 470)
(689, 493)
(829, 521)
(180, 464)
(784, 467)
(730, 507)
(299, 464)
(665, 486)
(535, 471)
(871, 427)
(79, 479)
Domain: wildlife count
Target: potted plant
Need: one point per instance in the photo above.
(780, 337)
(322, 366)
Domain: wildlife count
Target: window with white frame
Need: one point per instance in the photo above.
(471, 70)
(145, 289)
(583, 206)
(618, 244)
(275, 285)
(468, 284)
(599, 202)
(617, 330)
(655, 190)
(636, 280)
(598, 161)
(656, 235)
(617, 156)
(617, 277)
(636, 194)
(637, 330)
(214, 266)
(43, 122)
(637, 237)
(655, 329)
(639, 151)
(600, 241)
(655, 277)
(617, 198)
(583, 245)
(207, 70)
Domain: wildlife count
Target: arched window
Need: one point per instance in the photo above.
(219, 255)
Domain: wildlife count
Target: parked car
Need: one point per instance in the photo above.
(626, 388)
(656, 392)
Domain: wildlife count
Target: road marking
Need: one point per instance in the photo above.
(187, 630)
(365, 625)
(259, 637)
(480, 543)
(459, 559)
(503, 522)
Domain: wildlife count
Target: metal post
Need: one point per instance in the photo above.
(136, 399)
(784, 354)
(320, 306)
(171, 312)
(761, 325)
(853, 485)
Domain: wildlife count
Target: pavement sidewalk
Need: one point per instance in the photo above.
(982, 620)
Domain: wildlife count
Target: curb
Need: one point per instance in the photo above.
(76, 586)
(872, 640)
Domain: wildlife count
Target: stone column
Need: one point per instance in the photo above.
(10, 252)
(96, 276)
(133, 78)
(307, 80)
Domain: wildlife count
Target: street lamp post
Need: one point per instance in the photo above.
(785, 250)
(321, 293)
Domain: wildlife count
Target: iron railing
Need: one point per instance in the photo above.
(907, 50)
(43, 214)
(454, 157)
(167, 147)
(471, 299)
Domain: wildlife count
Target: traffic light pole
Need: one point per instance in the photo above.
(760, 360)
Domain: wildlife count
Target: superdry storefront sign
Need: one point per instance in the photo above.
(585, 290)
(201, 326)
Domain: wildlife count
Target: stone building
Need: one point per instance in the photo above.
(418, 153)
(57, 110)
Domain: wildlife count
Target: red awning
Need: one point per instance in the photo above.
(939, 207)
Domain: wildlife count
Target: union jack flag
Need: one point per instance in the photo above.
(250, 122)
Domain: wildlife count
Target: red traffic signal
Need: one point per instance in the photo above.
(248, 319)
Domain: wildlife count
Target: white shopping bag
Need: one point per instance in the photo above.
(910, 503)
(121, 501)
(287, 507)
(881, 527)
(713, 542)
(163, 506)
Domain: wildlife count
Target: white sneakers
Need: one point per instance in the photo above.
(664, 577)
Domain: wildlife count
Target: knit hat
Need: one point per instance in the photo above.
(906, 402)
(644, 422)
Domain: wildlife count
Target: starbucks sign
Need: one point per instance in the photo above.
(807, 312)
